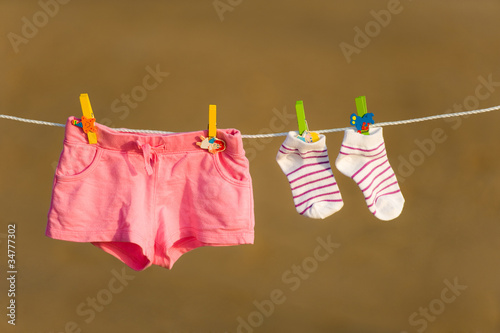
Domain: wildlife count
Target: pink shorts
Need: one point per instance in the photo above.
(149, 198)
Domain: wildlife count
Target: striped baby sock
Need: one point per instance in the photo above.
(306, 165)
(364, 159)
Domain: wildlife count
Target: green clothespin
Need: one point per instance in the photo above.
(363, 120)
(301, 117)
(304, 133)
(361, 105)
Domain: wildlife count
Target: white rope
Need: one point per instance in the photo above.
(270, 135)
(31, 121)
(387, 123)
(141, 131)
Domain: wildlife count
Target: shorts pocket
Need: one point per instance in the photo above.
(232, 168)
(77, 161)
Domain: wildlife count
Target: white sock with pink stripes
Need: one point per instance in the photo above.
(307, 167)
(364, 159)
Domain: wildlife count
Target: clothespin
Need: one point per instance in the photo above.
(363, 119)
(212, 121)
(87, 123)
(301, 117)
(361, 105)
(304, 133)
(212, 143)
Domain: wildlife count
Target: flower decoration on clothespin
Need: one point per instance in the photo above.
(304, 133)
(363, 119)
(212, 143)
(87, 122)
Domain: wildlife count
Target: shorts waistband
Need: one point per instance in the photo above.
(161, 143)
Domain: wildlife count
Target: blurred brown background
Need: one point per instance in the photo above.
(254, 59)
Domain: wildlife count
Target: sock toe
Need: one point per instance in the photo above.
(389, 207)
(323, 209)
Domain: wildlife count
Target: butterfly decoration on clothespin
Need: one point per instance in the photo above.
(87, 122)
(363, 119)
(304, 133)
(212, 143)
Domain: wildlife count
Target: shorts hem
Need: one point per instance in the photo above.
(238, 236)
(96, 236)
(183, 243)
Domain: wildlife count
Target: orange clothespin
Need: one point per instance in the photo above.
(87, 123)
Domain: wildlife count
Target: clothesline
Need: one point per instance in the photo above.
(270, 135)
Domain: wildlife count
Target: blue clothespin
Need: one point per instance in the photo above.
(363, 119)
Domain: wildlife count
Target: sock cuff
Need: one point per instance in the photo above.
(293, 142)
(356, 140)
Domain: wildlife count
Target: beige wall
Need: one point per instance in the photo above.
(255, 63)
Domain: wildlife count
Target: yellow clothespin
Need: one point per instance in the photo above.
(212, 143)
(212, 121)
(88, 120)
